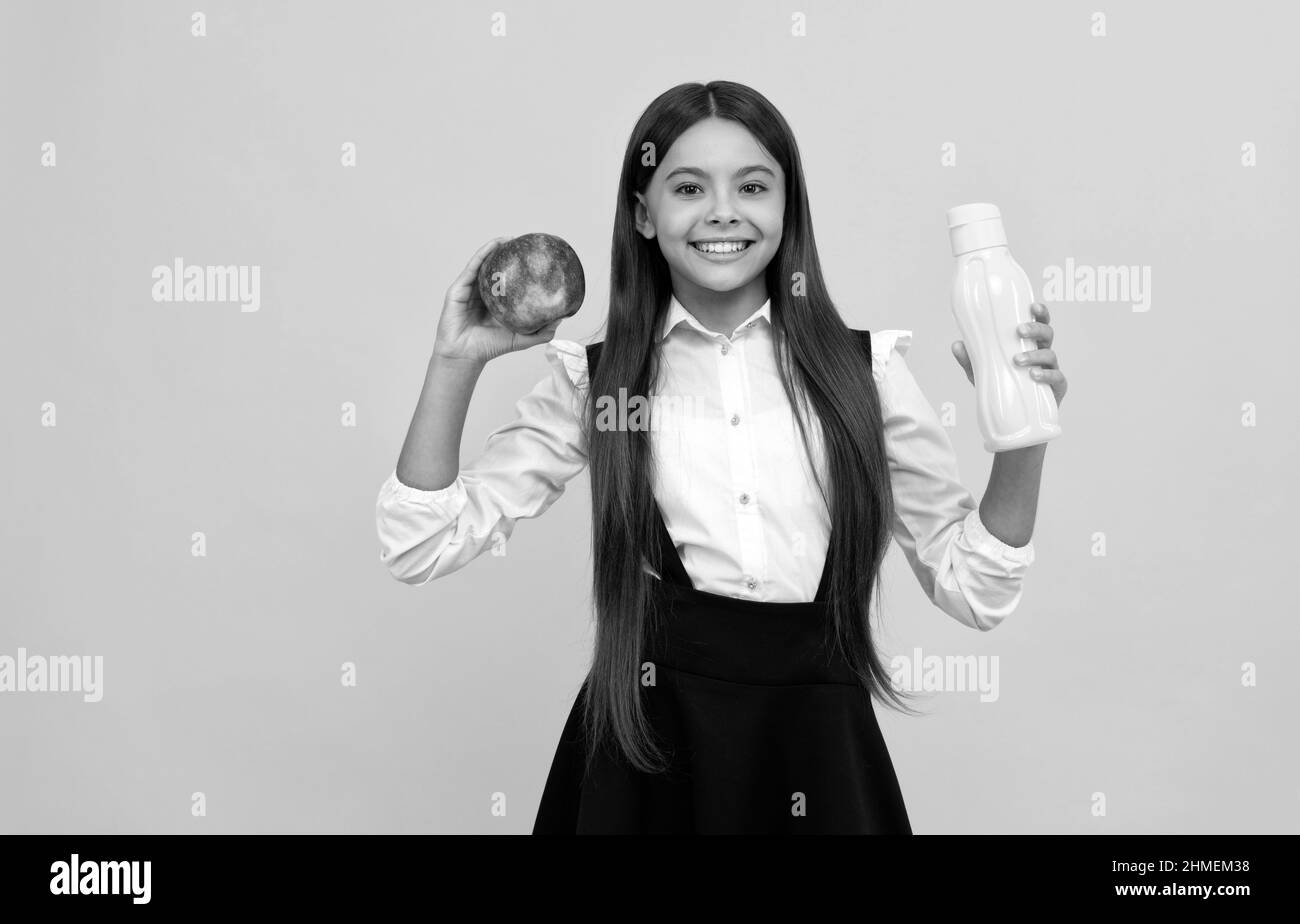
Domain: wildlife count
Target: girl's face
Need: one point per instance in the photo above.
(716, 183)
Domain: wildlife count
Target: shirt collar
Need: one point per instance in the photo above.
(677, 314)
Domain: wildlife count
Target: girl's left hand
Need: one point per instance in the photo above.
(1043, 361)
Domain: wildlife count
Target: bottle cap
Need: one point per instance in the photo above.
(975, 226)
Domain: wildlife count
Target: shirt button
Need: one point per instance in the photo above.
(750, 582)
(724, 349)
(735, 420)
(744, 498)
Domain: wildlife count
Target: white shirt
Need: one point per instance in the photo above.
(731, 479)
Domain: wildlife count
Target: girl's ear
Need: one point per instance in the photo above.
(643, 223)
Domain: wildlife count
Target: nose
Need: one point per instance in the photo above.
(723, 211)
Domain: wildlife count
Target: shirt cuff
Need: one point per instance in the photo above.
(448, 498)
(979, 537)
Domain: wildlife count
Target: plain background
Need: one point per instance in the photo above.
(1120, 673)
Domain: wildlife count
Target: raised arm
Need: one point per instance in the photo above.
(965, 570)
(468, 337)
(432, 517)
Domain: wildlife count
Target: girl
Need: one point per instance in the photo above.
(735, 545)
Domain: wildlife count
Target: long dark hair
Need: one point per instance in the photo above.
(817, 352)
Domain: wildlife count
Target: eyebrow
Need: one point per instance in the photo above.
(696, 171)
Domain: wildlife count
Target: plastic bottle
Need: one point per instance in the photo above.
(991, 296)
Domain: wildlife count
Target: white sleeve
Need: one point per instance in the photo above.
(522, 470)
(964, 569)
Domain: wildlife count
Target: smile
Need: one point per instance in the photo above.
(722, 247)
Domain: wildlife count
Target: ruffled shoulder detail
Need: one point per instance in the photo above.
(883, 342)
(570, 357)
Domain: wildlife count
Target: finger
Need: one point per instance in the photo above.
(469, 275)
(1039, 310)
(541, 336)
(1045, 358)
(1047, 376)
(1037, 331)
(963, 359)
(471, 268)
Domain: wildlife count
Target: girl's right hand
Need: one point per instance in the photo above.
(467, 331)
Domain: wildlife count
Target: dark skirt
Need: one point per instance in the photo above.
(768, 733)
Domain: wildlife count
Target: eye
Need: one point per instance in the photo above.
(758, 187)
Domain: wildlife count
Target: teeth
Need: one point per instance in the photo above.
(722, 247)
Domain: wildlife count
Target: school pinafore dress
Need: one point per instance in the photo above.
(767, 730)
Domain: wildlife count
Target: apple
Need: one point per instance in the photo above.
(530, 281)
